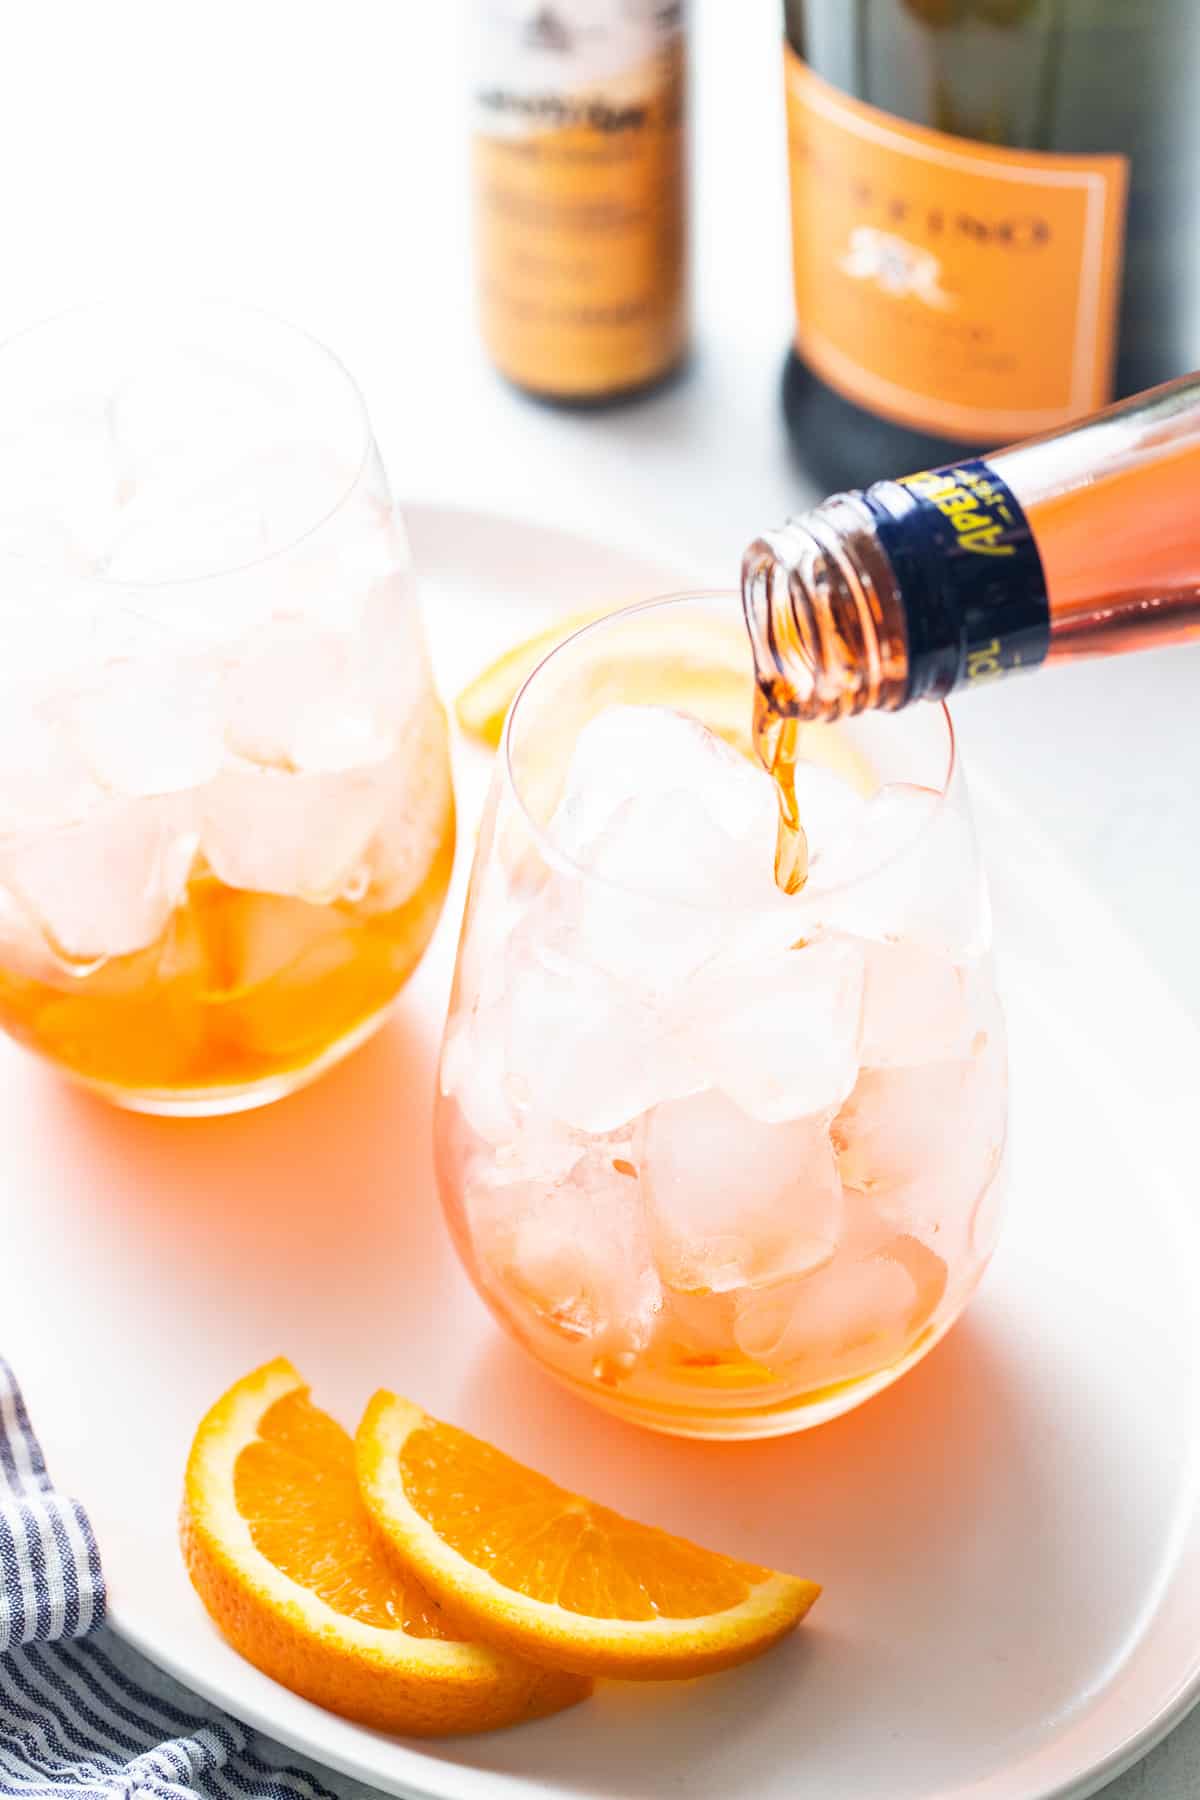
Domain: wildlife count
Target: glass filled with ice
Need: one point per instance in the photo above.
(226, 818)
(727, 1160)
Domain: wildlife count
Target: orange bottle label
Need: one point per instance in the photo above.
(950, 285)
(579, 171)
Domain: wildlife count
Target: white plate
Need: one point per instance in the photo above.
(1009, 1538)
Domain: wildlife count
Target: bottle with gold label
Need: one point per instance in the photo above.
(579, 175)
(996, 219)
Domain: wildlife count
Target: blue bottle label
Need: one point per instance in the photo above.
(969, 573)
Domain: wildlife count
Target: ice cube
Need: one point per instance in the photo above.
(24, 950)
(293, 701)
(659, 861)
(675, 827)
(544, 1151)
(151, 725)
(351, 574)
(732, 1202)
(62, 489)
(105, 886)
(188, 398)
(923, 1142)
(892, 1128)
(851, 1318)
(44, 782)
(575, 1250)
(290, 972)
(584, 1047)
(39, 535)
(886, 828)
(298, 485)
(221, 504)
(915, 1006)
(474, 1074)
(908, 870)
(493, 914)
(418, 818)
(513, 1142)
(700, 1327)
(282, 833)
(164, 535)
(664, 847)
(831, 811)
(652, 754)
(779, 1032)
(261, 937)
(393, 662)
(475, 1052)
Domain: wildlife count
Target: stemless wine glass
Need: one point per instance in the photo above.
(724, 1160)
(226, 818)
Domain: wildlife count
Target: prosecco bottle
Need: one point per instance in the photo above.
(996, 219)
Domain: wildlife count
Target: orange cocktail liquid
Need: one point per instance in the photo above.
(240, 987)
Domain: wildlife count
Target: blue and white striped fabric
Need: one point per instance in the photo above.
(51, 1585)
(81, 1716)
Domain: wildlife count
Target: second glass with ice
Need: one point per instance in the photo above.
(226, 819)
(725, 1159)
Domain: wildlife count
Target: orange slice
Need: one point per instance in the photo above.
(283, 1555)
(697, 663)
(527, 1566)
(483, 705)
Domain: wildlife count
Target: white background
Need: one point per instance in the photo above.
(310, 157)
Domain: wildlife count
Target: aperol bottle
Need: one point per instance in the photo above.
(1082, 543)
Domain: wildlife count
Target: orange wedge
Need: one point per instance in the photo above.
(283, 1555)
(483, 705)
(543, 1573)
(698, 664)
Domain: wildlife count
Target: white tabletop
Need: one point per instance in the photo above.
(310, 157)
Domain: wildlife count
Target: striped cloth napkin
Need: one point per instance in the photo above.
(80, 1715)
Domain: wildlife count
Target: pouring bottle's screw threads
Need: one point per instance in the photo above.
(825, 616)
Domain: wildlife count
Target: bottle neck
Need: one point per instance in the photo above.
(825, 614)
(900, 592)
(1082, 543)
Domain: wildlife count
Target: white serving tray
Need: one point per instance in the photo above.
(1009, 1538)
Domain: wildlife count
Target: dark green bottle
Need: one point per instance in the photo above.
(931, 331)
